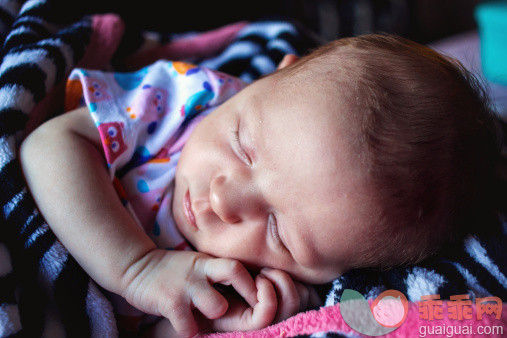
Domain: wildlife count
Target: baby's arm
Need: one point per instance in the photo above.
(65, 169)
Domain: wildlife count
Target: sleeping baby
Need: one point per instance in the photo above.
(173, 180)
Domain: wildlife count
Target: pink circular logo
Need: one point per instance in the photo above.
(390, 308)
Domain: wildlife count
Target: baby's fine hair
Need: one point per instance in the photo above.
(428, 139)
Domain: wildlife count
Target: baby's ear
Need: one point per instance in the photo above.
(287, 60)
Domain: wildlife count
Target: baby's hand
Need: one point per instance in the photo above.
(174, 283)
(293, 296)
(241, 317)
(290, 298)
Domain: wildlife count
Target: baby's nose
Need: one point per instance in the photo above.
(234, 200)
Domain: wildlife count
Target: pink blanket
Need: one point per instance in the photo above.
(329, 319)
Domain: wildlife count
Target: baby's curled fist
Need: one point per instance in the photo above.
(278, 298)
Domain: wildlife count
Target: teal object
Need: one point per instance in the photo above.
(198, 101)
(492, 22)
(130, 81)
(142, 186)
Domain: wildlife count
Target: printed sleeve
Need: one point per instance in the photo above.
(139, 114)
(127, 109)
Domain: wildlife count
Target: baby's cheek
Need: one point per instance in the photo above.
(318, 268)
(229, 241)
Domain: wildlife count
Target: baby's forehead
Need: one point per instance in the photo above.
(302, 134)
(328, 90)
(309, 134)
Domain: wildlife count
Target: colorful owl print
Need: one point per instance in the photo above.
(184, 68)
(146, 203)
(95, 91)
(150, 104)
(111, 134)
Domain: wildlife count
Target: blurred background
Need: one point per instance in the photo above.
(473, 31)
(420, 20)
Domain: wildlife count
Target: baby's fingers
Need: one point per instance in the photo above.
(208, 300)
(265, 310)
(231, 272)
(182, 320)
(291, 299)
(241, 317)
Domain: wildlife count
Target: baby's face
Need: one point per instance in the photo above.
(270, 179)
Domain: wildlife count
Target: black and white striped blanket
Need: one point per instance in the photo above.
(43, 291)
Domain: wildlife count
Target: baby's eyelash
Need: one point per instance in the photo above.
(273, 229)
(241, 151)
